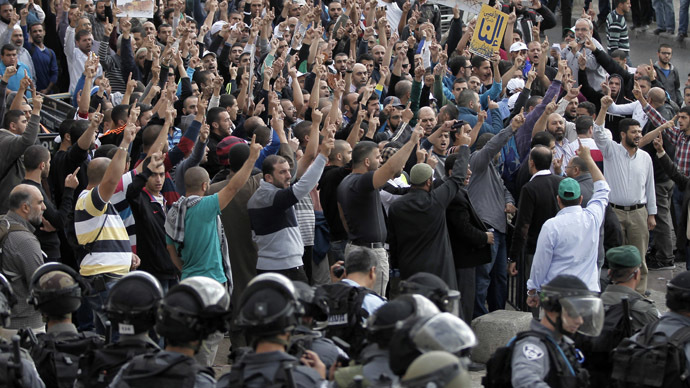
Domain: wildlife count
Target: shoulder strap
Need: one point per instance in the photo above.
(680, 337)
(647, 333)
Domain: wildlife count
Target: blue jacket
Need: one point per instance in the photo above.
(470, 117)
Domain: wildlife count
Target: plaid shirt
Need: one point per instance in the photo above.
(679, 139)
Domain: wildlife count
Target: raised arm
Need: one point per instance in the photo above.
(227, 193)
(396, 162)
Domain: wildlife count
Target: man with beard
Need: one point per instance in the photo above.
(630, 174)
(219, 121)
(290, 112)
(99, 18)
(535, 55)
(17, 136)
(21, 253)
(359, 200)
(37, 163)
(337, 169)
(17, 38)
(78, 48)
(8, 53)
(667, 73)
(583, 33)
(44, 59)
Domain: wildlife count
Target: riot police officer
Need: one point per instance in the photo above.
(374, 362)
(624, 272)
(131, 308)
(435, 289)
(56, 290)
(569, 307)
(438, 368)
(269, 311)
(16, 366)
(191, 311)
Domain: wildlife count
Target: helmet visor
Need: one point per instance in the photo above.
(443, 331)
(583, 314)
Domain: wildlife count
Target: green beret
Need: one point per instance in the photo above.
(626, 256)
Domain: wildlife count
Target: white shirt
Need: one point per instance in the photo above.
(569, 243)
(76, 59)
(633, 109)
(631, 178)
(393, 13)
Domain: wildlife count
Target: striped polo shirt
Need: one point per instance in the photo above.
(111, 251)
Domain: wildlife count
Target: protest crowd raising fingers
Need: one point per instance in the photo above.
(345, 193)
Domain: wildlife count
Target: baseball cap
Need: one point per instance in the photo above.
(395, 101)
(517, 46)
(569, 189)
(209, 53)
(217, 26)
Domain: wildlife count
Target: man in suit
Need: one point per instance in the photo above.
(537, 204)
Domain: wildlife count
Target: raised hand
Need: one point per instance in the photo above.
(518, 120)
(72, 181)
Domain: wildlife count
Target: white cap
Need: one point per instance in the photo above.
(517, 46)
(217, 26)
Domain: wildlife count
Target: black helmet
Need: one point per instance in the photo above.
(193, 309)
(569, 296)
(269, 305)
(7, 300)
(56, 289)
(382, 323)
(678, 292)
(313, 301)
(133, 301)
(433, 288)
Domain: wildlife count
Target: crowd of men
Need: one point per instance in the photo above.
(350, 178)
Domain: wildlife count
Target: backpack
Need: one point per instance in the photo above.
(283, 377)
(57, 356)
(6, 227)
(162, 369)
(617, 327)
(653, 359)
(99, 367)
(346, 314)
(499, 370)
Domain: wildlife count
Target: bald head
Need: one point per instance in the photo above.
(21, 195)
(96, 170)
(194, 179)
(657, 96)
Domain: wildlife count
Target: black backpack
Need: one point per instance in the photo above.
(98, 368)
(499, 370)
(345, 314)
(652, 359)
(597, 350)
(57, 356)
(162, 369)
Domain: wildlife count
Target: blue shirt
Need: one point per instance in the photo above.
(569, 243)
(13, 84)
(45, 63)
(371, 302)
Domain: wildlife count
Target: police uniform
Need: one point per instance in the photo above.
(531, 365)
(204, 378)
(375, 369)
(30, 377)
(642, 310)
(256, 368)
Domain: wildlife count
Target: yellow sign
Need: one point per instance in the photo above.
(489, 31)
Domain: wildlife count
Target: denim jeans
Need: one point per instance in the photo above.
(677, 199)
(665, 18)
(492, 279)
(683, 19)
(96, 301)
